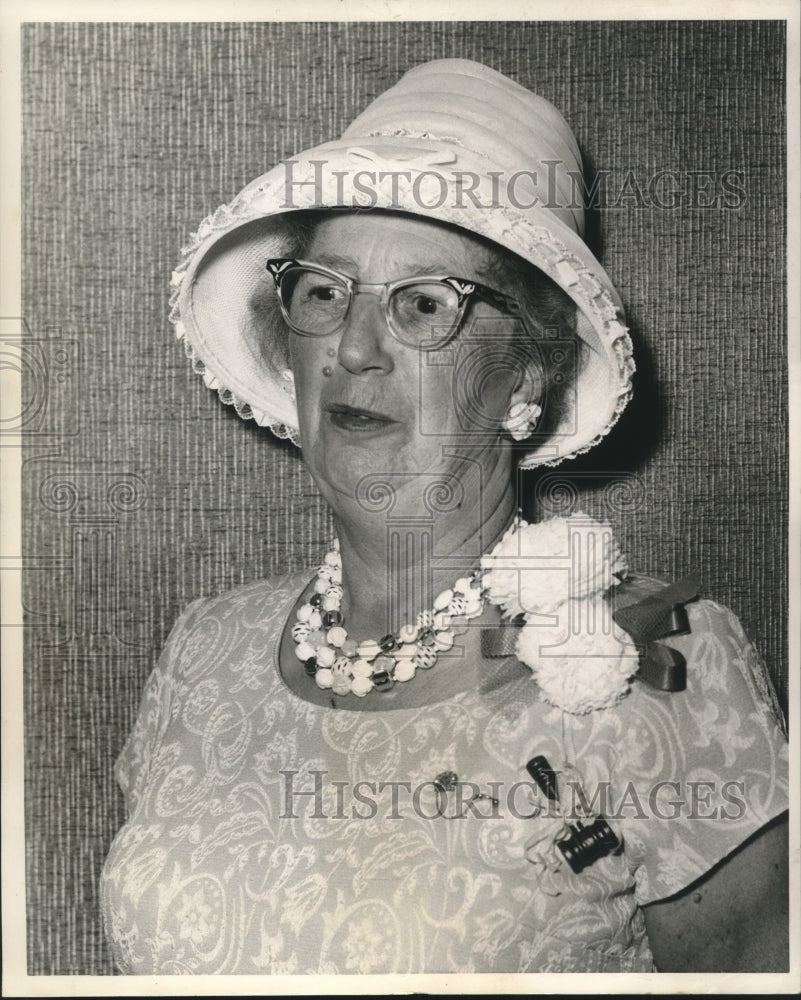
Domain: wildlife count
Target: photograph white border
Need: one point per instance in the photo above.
(15, 981)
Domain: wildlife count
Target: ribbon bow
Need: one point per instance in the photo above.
(656, 617)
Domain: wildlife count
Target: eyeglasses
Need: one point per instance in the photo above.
(423, 312)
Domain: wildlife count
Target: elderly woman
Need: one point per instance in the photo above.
(464, 743)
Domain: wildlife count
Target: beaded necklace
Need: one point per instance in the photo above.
(579, 666)
(337, 662)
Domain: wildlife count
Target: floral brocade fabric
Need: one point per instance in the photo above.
(269, 835)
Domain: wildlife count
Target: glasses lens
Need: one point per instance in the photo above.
(424, 313)
(315, 302)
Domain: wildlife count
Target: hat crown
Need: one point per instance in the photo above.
(516, 134)
(451, 118)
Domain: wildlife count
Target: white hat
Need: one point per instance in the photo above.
(452, 141)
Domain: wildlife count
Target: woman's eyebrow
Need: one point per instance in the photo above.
(335, 260)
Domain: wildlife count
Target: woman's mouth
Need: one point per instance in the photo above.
(353, 418)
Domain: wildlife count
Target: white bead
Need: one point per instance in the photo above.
(361, 686)
(406, 651)
(315, 619)
(332, 559)
(404, 670)
(304, 612)
(335, 590)
(443, 640)
(369, 649)
(330, 603)
(300, 631)
(424, 619)
(361, 668)
(458, 625)
(463, 585)
(383, 662)
(442, 621)
(325, 656)
(425, 657)
(441, 601)
(337, 635)
(342, 666)
(324, 573)
(324, 678)
(320, 586)
(457, 605)
(335, 545)
(474, 607)
(407, 633)
(340, 684)
(304, 651)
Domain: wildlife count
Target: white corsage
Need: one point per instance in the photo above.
(555, 573)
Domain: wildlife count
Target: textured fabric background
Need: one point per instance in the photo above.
(142, 491)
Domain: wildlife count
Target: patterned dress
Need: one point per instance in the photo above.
(266, 834)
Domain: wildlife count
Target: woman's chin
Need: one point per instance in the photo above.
(340, 459)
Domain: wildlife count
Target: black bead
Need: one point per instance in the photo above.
(388, 643)
(316, 600)
(331, 618)
(382, 680)
(310, 666)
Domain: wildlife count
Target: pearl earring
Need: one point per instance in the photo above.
(521, 420)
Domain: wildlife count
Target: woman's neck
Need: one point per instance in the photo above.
(394, 564)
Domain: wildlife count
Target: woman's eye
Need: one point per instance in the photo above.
(326, 293)
(426, 305)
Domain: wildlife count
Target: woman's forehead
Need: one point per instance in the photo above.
(355, 242)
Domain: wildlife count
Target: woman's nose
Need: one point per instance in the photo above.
(366, 342)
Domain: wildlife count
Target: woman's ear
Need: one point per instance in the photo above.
(524, 408)
(530, 385)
